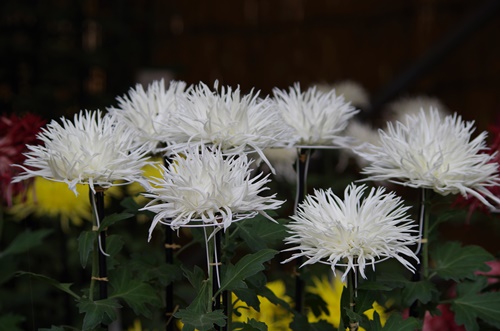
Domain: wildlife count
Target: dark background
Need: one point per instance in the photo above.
(60, 56)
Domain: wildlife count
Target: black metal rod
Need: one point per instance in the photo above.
(302, 164)
(169, 290)
(417, 276)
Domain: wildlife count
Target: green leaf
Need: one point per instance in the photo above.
(395, 322)
(130, 205)
(86, 245)
(149, 270)
(10, 322)
(316, 304)
(202, 303)
(97, 312)
(136, 293)
(471, 286)
(421, 291)
(25, 241)
(470, 307)
(250, 325)
(195, 277)
(247, 266)
(114, 244)
(300, 323)
(260, 233)
(65, 287)
(249, 296)
(273, 298)
(201, 322)
(323, 325)
(452, 261)
(112, 219)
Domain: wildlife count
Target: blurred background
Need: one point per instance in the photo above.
(60, 56)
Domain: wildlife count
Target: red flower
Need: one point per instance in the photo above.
(445, 321)
(494, 274)
(15, 133)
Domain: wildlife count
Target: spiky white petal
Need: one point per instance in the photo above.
(227, 118)
(91, 149)
(317, 117)
(147, 112)
(203, 187)
(428, 151)
(354, 231)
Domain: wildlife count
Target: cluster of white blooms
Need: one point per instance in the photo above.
(209, 133)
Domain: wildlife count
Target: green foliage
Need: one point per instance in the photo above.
(112, 219)
(422, 291)
(86, 245)
(98, 312)
(456, 262)
(250, 325)
(469, 307)
(25, 241)
(202, 322)
(395, 322)
(234, 275)
(139, 295)
(11, 322)
(260, 233)
(61, 286)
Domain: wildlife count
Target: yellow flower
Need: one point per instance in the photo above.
(47, 198)
(137, 326)
(149, 171)
(331, 291)
(276, 317)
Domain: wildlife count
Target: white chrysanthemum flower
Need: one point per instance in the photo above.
(428, 151)
(147, 111)
(352, 91)
(352, 232)
(411, 106)
(318, 118)
(283, 160)
(363, 136)
(202, 187)
(90, 150)
(226, 118)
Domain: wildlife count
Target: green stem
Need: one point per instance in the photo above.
(304, 156)
(352, 287)
(226, 295)
(425, 234)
